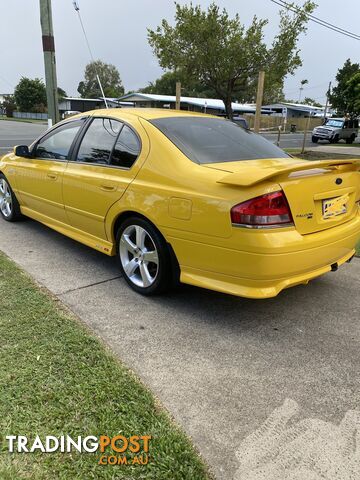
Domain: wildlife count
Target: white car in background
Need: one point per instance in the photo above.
(335, 129)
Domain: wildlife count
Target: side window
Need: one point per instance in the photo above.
(98, 141)
(56, 145)
(127, 148)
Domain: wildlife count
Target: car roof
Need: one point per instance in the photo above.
(145, 113)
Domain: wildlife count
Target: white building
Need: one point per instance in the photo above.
(204, 105)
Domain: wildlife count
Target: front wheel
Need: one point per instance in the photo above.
(144, 257)
(314, 139)
(335, 139)
(9, 206)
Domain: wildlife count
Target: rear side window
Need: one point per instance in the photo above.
(57, 143)
(98, 141)
(213, 140)
(127, 148)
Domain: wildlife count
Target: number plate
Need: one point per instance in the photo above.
(332, 207)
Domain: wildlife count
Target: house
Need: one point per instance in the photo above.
(294, 110)
(193, 104)
(77, 104)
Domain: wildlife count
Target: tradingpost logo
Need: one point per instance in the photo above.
(116, 450)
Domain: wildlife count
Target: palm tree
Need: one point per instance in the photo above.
(302, 83)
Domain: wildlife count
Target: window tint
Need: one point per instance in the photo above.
(212, 140)
(57, 144)
(127, 148)
(98, 141)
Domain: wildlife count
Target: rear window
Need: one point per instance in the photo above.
(213, 140)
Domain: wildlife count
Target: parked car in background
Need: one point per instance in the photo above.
(241, 121)
(335, 129)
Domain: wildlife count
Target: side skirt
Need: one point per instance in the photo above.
(89, 240)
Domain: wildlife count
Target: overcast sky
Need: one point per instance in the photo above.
(117, 34)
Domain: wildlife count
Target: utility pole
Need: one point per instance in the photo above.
(327, 100)
(49, 61)
(305, 132)
(178, 95)
(259, 99)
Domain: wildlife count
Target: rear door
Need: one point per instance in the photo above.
(104, 163)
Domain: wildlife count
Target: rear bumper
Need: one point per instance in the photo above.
(245, 287)
(265, 274)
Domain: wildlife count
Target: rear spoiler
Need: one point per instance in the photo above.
(254, 176)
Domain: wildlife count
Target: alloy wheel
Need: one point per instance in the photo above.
(139, 256)
(6, 204)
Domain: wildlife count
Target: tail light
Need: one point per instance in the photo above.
(270, 210)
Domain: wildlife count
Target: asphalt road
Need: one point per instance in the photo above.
(295, 140)
(223, 365)
(18, 133)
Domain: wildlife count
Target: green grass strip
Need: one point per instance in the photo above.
(56, 378)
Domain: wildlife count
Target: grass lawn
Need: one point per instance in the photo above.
(56, 378)
(315, 155)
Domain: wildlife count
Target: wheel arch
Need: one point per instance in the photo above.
(175, 267)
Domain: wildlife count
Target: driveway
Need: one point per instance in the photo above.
(223, 365)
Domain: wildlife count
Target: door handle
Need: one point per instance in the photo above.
(52, 176)
(108, 188)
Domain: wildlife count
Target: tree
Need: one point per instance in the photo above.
(210, 48)
(61, 94)
(302, 84)
(110, 80)
(339, 96)
(352, 95)
(30, 95)
(311, 101)
(9, 105)
(166, 85)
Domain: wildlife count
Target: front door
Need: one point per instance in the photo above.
(99, 173)
(39, 178)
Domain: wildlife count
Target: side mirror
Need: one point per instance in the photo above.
(22, 151)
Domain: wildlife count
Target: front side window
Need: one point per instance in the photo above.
(213, 140)
(98, 141)
(57, 143)
(127, 149)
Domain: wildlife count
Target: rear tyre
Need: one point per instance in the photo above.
(144, 257)
(314, 139)
(9, 206)
(335, 139)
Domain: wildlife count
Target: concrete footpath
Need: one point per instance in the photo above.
(223, 365)
(353, 151)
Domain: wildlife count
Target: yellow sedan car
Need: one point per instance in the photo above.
(189, 197)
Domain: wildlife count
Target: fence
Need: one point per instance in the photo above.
(268, 122)
(31, 115)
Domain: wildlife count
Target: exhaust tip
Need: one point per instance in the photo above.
(334, 267)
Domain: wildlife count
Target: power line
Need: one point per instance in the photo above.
(77, 9)
(5, 81)
(318, 20)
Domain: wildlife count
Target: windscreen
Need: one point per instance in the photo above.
(213, 140)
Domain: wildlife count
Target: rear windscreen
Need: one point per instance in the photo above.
(213, 140)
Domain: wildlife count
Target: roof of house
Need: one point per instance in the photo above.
(295, 106)
(213, 103)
